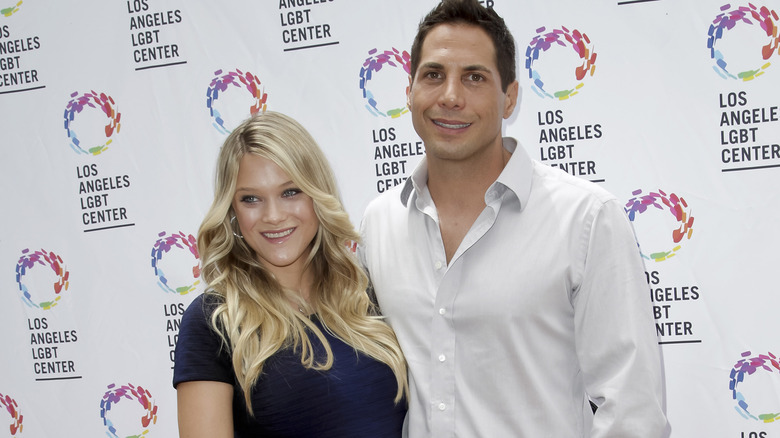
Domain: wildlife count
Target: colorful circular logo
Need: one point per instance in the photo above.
(745, 368)
(9, 405)
(165, 245)
(371, 67)
(222, 82)
(93, 100)
(562, 37)
(675, 205)
(114, 395)
(749, 15)
(10, 10)
(44, 258)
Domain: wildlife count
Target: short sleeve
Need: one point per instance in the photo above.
(200, 353)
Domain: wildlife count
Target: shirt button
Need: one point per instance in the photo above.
(442, 311)
(442, 406)
(442, 358)
(438, 265)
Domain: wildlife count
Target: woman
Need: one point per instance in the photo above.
(284, 341)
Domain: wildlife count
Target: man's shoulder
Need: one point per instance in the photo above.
(392, 199)
(384, 214)
(553, 180)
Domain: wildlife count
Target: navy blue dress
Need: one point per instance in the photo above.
(352, 399)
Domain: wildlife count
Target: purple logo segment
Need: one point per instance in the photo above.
(676, 205)
(744, 368)
(92, 100)
(44, 258)
(9, 405)
(220, 85)
(557, 38)
(114, 395)
(749, 15)
(163, 246)
(371, 67)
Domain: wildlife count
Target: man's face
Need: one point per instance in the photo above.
(455, 96)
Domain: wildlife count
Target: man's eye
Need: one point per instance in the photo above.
(475, 77)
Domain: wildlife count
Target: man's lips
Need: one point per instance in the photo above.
(451, 124)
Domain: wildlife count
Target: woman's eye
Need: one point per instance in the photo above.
(290, 193)
(248, 198)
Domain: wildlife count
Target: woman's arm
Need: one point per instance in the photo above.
(205, 409)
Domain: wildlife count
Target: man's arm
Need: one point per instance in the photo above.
(615, 337)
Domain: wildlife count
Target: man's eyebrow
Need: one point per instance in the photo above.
(431, 65)
(438, 66)
(477, 67)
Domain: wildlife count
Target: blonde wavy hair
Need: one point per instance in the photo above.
(254, 316)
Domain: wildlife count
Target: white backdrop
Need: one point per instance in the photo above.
(112, 113)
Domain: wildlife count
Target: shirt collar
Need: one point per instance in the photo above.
(517, 173)
(516, 176)
(416, 182)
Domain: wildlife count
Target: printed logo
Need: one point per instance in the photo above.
(96, 101)
(676, 205)
(10, 10)
(370, 71)
(747, 367)
(59, 280)
(560, 87)
(114, 395)
(239, 79)
(175, 243)
(9, 405)
(747, 65)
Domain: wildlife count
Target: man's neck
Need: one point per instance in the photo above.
(464, 182)
(458, 191)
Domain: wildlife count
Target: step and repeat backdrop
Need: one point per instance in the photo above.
(112, 113)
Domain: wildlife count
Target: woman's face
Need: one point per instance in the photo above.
(275, 217)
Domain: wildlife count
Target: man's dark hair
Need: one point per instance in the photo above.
(470, 12)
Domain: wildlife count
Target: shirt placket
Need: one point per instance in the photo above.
(443, 403)
(442, 354)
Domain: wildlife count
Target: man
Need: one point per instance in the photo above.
(517, 292)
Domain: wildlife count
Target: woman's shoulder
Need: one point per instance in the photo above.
(197, 318)
(204, 304)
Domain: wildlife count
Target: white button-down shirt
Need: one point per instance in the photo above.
(543, 306)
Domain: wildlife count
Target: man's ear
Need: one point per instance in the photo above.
(408, 94)
(512, 98)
